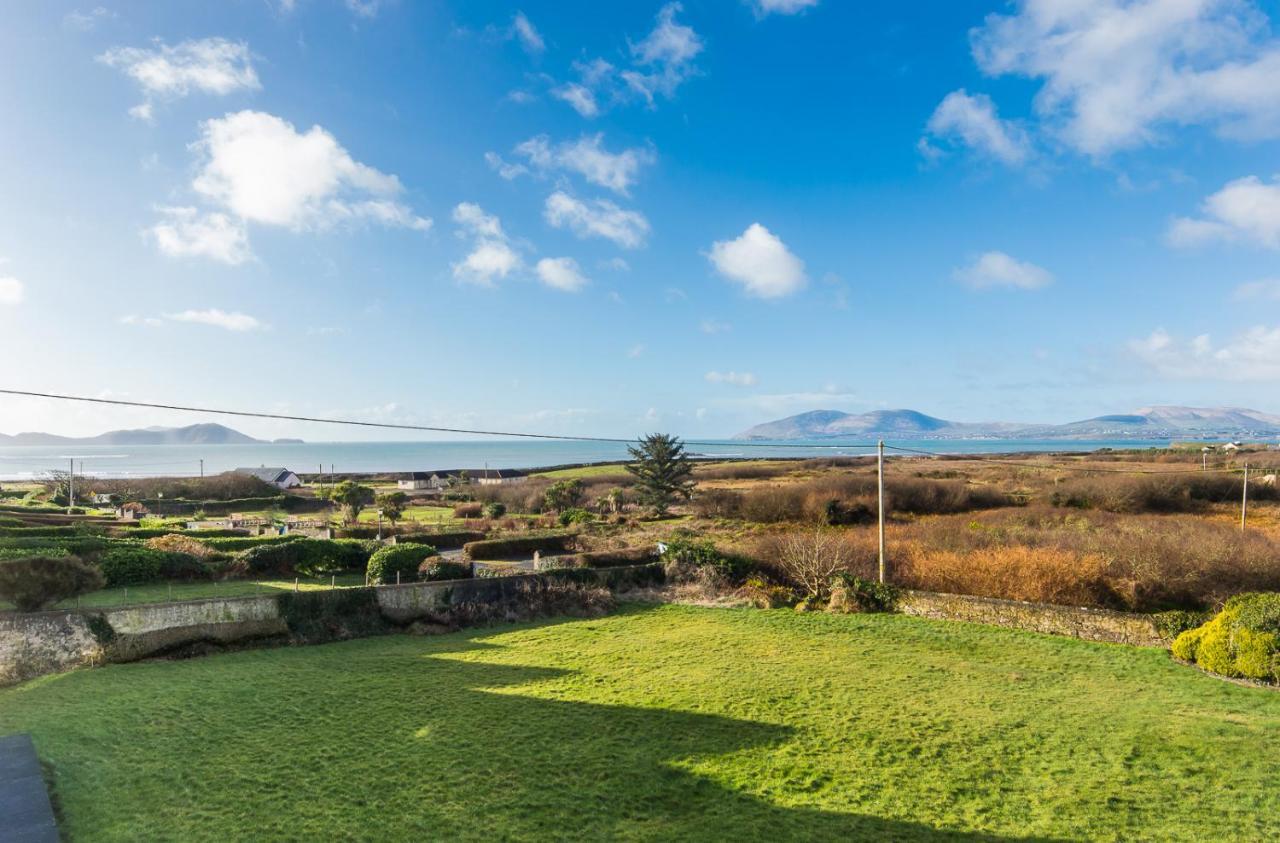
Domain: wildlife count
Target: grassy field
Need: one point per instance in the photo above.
(165, 592)
(585, 472)
(662, 723)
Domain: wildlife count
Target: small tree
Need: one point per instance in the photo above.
(810, 558)
(662, 470)
(563, 494)
(36, 582)
(352, 497)
(392, 505)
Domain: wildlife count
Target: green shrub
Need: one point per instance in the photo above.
(402, 559)
(690, 552)
(436, 568)
(1174, 622)
(495, 509)
(135, 564)
(575, 515)
(331, 615)
(1242, 641)
(505, 548)
(610, 558)
(308, 557)
(851, 593)
(36, 582)
(59, 530)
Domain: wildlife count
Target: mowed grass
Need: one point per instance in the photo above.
(662, 723)
(165, 592)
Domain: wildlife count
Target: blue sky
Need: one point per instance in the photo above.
(605, 219)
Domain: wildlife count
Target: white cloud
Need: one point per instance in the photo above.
(597, 218)
(491, 256)
(561, 274)
(1268, 288)
(85, 21)
(666, 54)
(230, 321)
(503, 167)
(135, 319)
(11, 290)
(972, 121)
(188, 233)
(364, 8)
(1251, 356)
(582, 98)
(759, 261)
(781, 7)
(1115, 72)
(211, 65)
(261, 169)
(615, 265)
(714, 326)
(528, 35)
(635, 351)
(997, 269)
(588, 158)
(732, 378)
(1245, 209)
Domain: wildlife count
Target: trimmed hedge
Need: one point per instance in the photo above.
(156, 532)
(444, 540)
(498, 549)
(136, 564)
(436, 568)
(78, 545)
(1243, 641)
(20, 532)
(403, 559)
(611, 558)
(309, 557)
(235, 544)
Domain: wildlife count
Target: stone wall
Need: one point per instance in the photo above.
(49, 642)
(1089, 624)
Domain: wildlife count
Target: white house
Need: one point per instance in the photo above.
(436, 480)
(281, 478)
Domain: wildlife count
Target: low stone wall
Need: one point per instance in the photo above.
(1088, 624)
(46, 642)
(50, 642)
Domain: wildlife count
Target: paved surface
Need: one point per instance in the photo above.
(25, 813)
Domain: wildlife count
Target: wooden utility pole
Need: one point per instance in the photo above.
(880, 478)
(202, 468)
(71, 486)
(1244, 499)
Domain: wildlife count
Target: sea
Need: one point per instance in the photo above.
(123, 461)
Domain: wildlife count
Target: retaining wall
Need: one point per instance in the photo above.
(39, 643)
(1076, 622)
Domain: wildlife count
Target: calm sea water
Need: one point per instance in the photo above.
(184, 460)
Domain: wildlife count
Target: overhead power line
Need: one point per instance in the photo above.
(1059, 467)
(419, 427)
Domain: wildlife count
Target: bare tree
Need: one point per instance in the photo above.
(810, 558)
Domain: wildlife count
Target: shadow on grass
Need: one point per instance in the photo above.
(507, 765)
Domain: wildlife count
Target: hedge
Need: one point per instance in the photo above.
(436, 568)
(611, 558)
(450, 540)
(309, 557)
(318, 616)
(236, 544)
(517, 546)
(133, 565)
(75, 544)
(393, 559)
(59, 530)
(156, 532)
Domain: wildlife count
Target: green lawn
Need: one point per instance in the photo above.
(163, 592)
(585, 472)
(662, 723)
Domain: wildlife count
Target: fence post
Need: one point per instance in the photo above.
(880, 482)
(295, 584)
(1244, 498)
(333, 581)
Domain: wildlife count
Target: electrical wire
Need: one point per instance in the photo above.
(1080, 468)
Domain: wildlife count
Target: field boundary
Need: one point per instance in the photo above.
(1071, 621)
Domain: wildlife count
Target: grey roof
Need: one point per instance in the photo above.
(473, 473)
(265, 474)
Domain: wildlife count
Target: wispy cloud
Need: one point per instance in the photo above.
(992, 270)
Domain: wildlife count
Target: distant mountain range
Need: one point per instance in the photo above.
(194, 434)
(1145, 423)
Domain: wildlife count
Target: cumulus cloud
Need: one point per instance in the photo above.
(1246, 209)
(187, 233)
(973, 122)
(1251, 356)
(664, 58)
(586, 156)
(528, 36)
(11, 290)
(1115, 72)
(781, 7)
(491, 257)
(732, 378)
(561, 274)
(229, 321)
(210, 65)
(263, 170)
(760, 262)
(997, 269)
(597, 218)
(659, 63)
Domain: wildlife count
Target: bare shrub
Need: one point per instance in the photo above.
(175, 543)
(807, 559)
(469, 510)
(33, 583)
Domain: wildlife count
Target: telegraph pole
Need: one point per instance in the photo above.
(1244, 499)
(71, 485)
(202, 468)
(880, 478)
